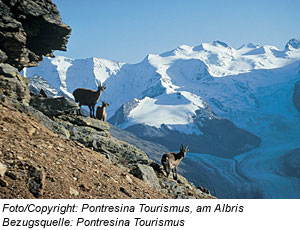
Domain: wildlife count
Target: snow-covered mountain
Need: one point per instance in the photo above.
(220, 100)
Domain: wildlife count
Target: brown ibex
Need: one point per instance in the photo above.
(88, 97)
(101, 111)
(170, 161)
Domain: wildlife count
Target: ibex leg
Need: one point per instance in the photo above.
(93, 111)
(78, 112)
(166, 170)
(174, 170)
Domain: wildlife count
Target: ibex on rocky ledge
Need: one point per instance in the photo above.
(170, 161)
(88, 97)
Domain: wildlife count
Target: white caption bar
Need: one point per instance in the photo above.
(149, 214)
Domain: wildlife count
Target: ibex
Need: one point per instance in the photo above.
(88, 97)
(170, 161)
(101, 111)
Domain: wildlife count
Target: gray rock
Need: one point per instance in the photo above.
(13, 84)
(146, 173)
(86, 121)
(182, 189)
(119, 152)
(53, 106)
(30, 30)
(36, 181)
(8, 70)
(82, 134)
(3, 56)
(173, 187)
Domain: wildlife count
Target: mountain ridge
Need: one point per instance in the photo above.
(174, 72)
(162, 98)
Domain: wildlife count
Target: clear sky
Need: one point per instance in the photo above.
(128, 30)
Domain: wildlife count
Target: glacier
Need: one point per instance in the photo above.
(251, 86)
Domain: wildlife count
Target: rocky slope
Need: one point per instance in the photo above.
(35, 162)
(75, 156)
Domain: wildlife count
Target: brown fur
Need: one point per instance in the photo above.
(88, 97)
(170, 161)
(101, 111)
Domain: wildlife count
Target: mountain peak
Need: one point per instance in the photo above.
(293, 43)
(208, 46)
(219, 43)
(149, 57)
(249, 45)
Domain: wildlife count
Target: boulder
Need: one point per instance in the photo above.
(36, 181)
(182, 189)
(119, 152)
(146, 173)
(86, 121)
(53, 106)
(13, 84)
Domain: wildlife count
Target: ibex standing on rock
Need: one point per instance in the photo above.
(170, 161)
(101, 111)
(88, 97)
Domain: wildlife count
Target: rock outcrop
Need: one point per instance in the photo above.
(54, 106)
(29, 30)
(13, 84)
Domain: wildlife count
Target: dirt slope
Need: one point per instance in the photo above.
(38, 163)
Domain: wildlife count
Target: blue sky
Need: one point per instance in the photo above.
(128, 30)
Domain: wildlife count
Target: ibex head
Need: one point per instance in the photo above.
(184, 150)
(101, 88)
(105, 104)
